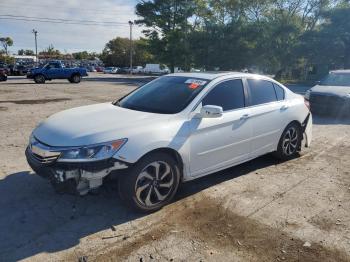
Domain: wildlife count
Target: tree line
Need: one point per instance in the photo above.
(280, 37)
(276, 36)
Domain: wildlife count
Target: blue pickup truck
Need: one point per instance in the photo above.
(56, 70)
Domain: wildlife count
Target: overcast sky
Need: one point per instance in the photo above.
(67, 37)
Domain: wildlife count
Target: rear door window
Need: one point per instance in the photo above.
(261, 91)
(229, 95)
(279, 92)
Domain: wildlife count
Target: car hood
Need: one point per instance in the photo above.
(331, 90)
(93, 124)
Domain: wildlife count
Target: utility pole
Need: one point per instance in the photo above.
(131, 47)
(36, 45)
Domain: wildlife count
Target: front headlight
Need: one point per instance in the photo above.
(92, 153)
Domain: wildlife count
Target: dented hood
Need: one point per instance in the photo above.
(93, 124)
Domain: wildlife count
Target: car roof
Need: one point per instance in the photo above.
(216, 74)
(341, 71)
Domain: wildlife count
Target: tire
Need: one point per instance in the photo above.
(3, 78)
(141, 190)
(75, 79)
(290, 142)
(39, 79)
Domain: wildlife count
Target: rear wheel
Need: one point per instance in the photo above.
(151, 183)
(290, 142)
(75, 79)
(39, 79)
(3, 77)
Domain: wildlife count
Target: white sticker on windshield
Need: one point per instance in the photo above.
(196, 81)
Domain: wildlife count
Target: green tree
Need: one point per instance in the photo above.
(6, 42)
(330, 43)
(84, 55)
(25, 52)
(117, 52)
(167, 29)
(50, 52)
(276, 36)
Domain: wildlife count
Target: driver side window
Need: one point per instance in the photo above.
(228, 94)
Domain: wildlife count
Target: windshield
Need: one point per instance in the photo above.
(165, 95)
(336, 80)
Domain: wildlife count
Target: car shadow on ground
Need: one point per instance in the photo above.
(35, 219)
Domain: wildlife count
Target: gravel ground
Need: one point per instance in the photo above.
(263, 210)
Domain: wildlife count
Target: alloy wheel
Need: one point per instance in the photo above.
(40, 79)
(290, 141)
(154, 184)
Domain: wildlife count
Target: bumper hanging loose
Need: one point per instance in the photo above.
(74, 177)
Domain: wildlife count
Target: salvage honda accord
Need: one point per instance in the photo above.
(173, 129)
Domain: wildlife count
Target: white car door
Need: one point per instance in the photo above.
(220, 142)
(268, 115)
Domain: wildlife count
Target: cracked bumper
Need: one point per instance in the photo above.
(75, 177)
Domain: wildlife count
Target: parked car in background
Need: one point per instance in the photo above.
(331, 96)
(99, 68)
(20, 70)
(110, 70)
(91, 69)
(3, 74)
(178, 70)
(123, 70)
(56, 70)
(195, 70)
(5, 68)
(137, 69)
(173, 129)
(156, 69)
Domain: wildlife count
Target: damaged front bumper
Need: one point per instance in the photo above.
(307, 130)
(74, 177)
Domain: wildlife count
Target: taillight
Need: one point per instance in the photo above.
(307, 103)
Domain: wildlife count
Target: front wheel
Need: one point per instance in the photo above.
(290, 142)
(151, 183)
(39, 79)
(3, 77)
(75, 79)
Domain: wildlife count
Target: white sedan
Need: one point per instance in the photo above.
(173, 129)
(110, 70)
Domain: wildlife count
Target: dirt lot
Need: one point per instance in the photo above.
(263, 210)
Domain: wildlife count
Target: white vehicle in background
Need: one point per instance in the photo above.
(178, 70)
(173, 129)
(156, 69)
(110, 70)
(137, 70)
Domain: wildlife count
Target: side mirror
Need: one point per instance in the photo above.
(210, 111)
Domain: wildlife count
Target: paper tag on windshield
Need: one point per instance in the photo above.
(196, 82)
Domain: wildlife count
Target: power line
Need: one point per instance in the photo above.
(34, 6)
(63, 20)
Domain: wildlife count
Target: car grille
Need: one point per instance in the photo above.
(45, 160)
(43, 153)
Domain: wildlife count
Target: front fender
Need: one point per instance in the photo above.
(132, 153)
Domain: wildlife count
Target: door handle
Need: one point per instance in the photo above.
(244, 117)
(284, 107)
